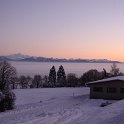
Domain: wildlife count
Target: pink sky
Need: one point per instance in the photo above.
(88, 29)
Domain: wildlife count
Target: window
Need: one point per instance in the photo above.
(122, 90)
(97, 89)
(111, 90)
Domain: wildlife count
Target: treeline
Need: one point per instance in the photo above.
(60, 79)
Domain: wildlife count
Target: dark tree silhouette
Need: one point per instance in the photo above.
(37, 81)
(115, 71)
(71, 80)
(61, 77)
(7, 76)
(52, 77)
(91, 75)
(23, 82)
(45, 81)
(29, 81)
(14, 83)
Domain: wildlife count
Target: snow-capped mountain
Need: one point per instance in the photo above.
(27, 58)
(18, 56)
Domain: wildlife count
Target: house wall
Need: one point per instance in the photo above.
(104, 94)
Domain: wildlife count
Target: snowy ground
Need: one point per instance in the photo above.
(61, 106)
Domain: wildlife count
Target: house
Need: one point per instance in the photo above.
(109, 88)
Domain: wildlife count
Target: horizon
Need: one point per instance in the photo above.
(61, 58)
(63, 29)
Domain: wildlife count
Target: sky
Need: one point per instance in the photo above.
(87, 29)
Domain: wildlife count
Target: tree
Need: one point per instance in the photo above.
(7, 76)
(23, 82)
(52, 77)
(29, 81)
(115, 71)
(61, 77)
(71, 80)
(91, 75)
(45, 81)
(7, 100)
(104, 73)
(14, 83)
(37, 81)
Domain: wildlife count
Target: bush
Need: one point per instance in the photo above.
(7, 100)
(72, 80)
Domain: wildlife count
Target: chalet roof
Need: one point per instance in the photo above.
(121, 78)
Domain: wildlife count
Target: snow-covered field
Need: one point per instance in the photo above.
(61, 106)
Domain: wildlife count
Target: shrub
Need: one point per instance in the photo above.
(7, 100)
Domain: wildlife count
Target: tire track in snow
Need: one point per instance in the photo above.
(49, 113)
(63, 116)
(58, 118)
(69, 117)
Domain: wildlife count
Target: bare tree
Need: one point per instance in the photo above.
(14, 83)
(7, 74)
(29, 81)
(115, 71)
(25, 82)
(22, 82)
(37, 81)
(45, 81)
(7, 77)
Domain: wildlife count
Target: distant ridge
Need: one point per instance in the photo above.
(26, 58)
(17, 56)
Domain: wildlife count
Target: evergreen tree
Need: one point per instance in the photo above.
(61, 77)
(52, 77)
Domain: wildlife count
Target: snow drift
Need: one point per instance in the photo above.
(61, 106)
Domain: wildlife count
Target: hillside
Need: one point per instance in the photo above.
(61, 106)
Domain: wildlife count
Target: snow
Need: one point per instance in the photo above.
(17, 56)
(121, 78)
(62, 106)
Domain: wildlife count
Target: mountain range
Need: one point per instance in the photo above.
(26, 58)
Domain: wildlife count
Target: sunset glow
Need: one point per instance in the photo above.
(87, 29)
